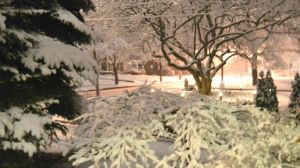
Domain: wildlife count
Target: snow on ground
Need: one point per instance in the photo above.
(106, 81)
(237, 82)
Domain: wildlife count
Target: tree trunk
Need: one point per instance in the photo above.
(206, 86)
(254, 69)
(115, 69)
(198, 82)
(97, 85)
(203, 85)
(160, 69)
(254, 76)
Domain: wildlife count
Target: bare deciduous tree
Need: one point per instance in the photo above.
(213, 27)
(200, 36)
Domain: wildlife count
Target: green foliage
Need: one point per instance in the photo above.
(294, 105)
(266, 97)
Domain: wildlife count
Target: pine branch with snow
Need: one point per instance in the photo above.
(123, 147)
(203, 130)
(118, 124)
(25, 129)
(40, 61)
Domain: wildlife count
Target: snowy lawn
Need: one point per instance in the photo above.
(107, 81)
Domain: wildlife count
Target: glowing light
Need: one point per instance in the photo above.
(152, 90)
(254, 92)
(183, 94)
(221, 94)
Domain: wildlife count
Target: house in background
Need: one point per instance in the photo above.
(107, 65)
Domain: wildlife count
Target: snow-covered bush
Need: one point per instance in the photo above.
(125, 146)
(117, 130)
(204, 129)
(266, 97)
(218, 134)
(273, 145)
(294, 105)
(208, 133)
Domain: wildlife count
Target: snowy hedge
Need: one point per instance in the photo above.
(207, 133)
(215, 134)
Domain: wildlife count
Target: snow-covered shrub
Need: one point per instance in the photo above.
(124, 146)
(208, 133)
(204, 129)
(117, 130)
(218, 134)
(266, 97)
(271, 145)
(294, 105)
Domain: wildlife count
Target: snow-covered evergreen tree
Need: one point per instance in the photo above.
(40, 65)
(266, 97)
(294, 105)
(260, 95)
